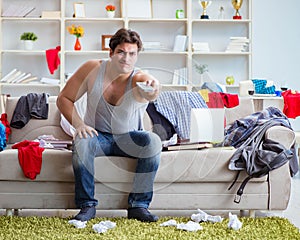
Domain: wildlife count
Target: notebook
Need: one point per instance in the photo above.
(207, 125)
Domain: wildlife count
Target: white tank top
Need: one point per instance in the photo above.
(113, 119)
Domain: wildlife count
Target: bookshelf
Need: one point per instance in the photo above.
(158, 30)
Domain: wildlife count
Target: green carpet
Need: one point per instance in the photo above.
(55, 228)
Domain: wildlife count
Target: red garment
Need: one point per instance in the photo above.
(219, 100)
(291, 103)
(230, 100)
(4, 121)
(53, 60)
(30, 157)
(215, 100)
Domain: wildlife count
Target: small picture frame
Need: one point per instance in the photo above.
(79, 10)
(105, 41)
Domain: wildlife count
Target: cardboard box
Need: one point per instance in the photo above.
(50, 14)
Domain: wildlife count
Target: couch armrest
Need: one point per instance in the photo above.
(281, 134)
(280, 187)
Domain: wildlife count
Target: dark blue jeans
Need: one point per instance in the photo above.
(142, 145)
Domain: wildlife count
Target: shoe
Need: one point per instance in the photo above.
(141, 214)
(86, 213)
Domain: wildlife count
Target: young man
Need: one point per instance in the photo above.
(112, 124)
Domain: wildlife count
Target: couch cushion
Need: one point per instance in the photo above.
(36, 127)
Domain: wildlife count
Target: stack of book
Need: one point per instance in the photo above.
(188, 146)
(238, 44)
(152, 46)
(200, 47)
(17, 76)
(180, 43)
(17, 10)
(180, 76)
(51, 142)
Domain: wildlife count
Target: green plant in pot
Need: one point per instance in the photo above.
(28, 38)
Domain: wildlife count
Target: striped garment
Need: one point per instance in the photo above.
(241, 129)
(176, 107)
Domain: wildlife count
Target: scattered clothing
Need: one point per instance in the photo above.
(291, 103)
(30, 157)
(52, 58)
(5, 122)
(249, 131)
(241, 129)
(2, 137)
(263, 86)
(176, 107)
(161, 125)
(32, 105)
(230, 100)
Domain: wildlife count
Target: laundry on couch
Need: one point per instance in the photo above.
(30, 157)
(176, 107)
(32, 105)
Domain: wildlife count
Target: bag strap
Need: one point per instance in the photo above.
(286, 154)
(240, 191)
(235, 179)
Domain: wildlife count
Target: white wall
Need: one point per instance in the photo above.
(276, 41)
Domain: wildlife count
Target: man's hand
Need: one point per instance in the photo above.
(144, 89)
(84, 130)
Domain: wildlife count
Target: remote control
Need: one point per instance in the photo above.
(144, 87)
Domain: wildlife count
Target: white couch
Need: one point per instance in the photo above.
(186, 180)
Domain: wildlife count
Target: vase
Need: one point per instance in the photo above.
(77, 45)
(28, 44)
(110, 14)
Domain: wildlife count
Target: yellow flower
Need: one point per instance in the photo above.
(78, 31)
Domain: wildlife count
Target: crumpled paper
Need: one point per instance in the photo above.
(103, 226)
(171, 222)
(234, 222)
(78, 223)
(202, 216)
(189, 226)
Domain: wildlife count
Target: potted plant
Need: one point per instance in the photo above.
(110, 10)
(28, 38)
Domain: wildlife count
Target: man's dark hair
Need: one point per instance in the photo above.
(124, 35)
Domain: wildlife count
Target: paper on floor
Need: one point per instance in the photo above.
(103, 226)
(202, 216)
(77, 223)
(234, 222)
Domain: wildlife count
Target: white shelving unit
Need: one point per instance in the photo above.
(162, 27)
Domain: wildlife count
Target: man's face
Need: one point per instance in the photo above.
(124, 57)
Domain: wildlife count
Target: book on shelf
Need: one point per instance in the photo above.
(180, 76)
(7, 76)
(51, 81)
(180, 43)
(188, 146)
